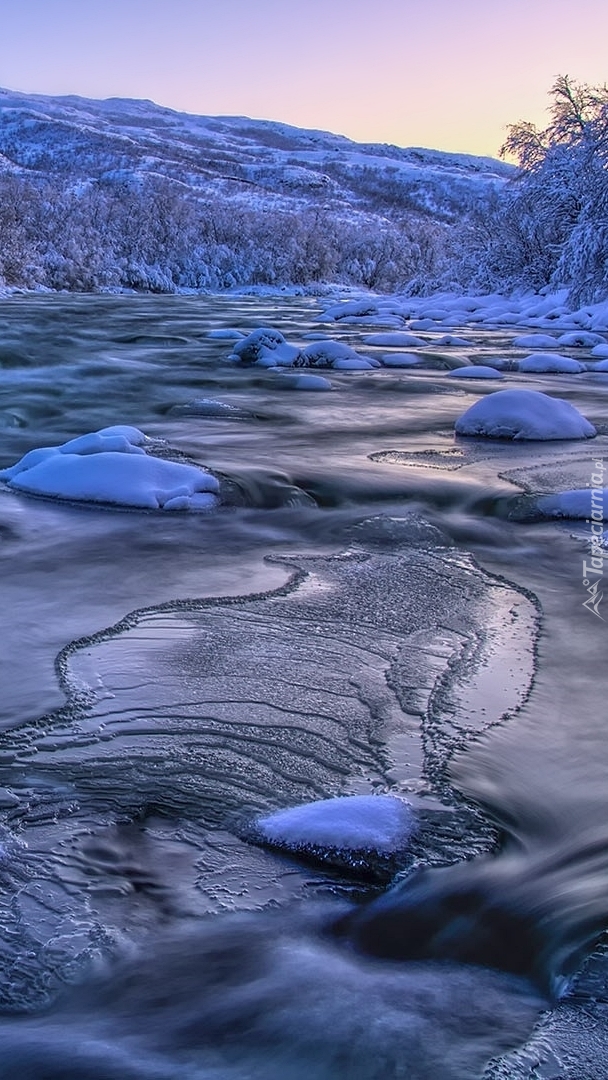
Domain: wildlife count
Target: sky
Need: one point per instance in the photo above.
(445, 74)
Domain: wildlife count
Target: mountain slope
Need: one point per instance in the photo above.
(234, 157)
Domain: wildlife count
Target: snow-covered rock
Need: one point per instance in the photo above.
(265, 347)
(110, 466)
(401, 360)
(475, 371)
(305, 382)
(601, 351)
(586, 503)
(524, 414)
(550, 364)
(535, 341)
(398, 338)
(226, 334)
(352, 831)
(334, 354)
(582, 338)
(454, 341)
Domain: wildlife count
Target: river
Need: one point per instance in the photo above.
(373, 609)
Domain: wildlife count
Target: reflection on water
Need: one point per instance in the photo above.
(164, 679)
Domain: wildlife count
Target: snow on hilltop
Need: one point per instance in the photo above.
(232, 155)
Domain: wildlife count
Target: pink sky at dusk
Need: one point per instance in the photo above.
(447, 74)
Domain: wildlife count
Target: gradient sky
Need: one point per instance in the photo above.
(447, 74)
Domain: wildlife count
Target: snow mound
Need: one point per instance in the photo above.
(581, 338)
(345, 830)
(535, 341)
(110, 466)
(524, 414)
(454, 340)
(305, 382)
(226, 334)
(334, 354)
(587, 503)
(398, 338)
(266, 348)
(601, 351)
(550, 364)
(601, 365)
(475, 371)
(401, 360)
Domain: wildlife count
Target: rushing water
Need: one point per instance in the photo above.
(374, 608)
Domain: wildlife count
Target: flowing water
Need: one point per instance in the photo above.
(374, 608)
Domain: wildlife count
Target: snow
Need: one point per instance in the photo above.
(334, 354)
(400, 340)
(581, 339)
(359, 823)
(550, 363)
(547, 313)
(524, 414)
(401, 360)
(353, 363)
(265, 347)
(226, 334)
(601, 351)
(109, 466)
(453, 340)
(305, 382)
(601, 365)
(535, 341)
(475, 371)
(586, 503)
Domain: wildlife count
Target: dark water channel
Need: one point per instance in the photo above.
(374, 608)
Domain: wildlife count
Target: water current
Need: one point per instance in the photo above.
(375, 608)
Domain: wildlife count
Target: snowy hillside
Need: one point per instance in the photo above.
(233, 157)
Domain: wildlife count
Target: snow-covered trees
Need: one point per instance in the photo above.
(552, 227)
(153, 236)
(410, 220)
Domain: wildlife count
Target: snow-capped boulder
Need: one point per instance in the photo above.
(524, 414)
(454, 341)
(353, 831)
(550, 364)
(535, 341)
(110, 466)
(399, 338)
(266, 348)
(475, 371)
(581, 338)
(226, 333)
(586, 503)
(334, 354)
(305, 381)
(401, 360)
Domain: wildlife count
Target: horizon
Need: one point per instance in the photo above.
(437, 77)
